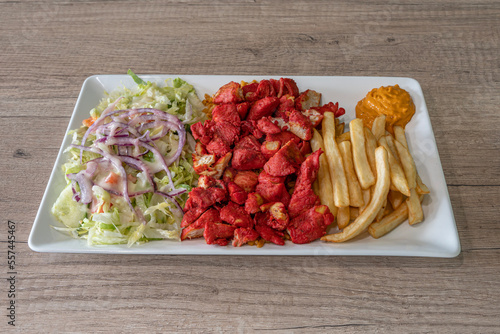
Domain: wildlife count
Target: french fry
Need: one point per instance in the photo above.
(366, 199)
(343, 217)
(389, 222)
(398, 178)
(323, 184)
(361, 166)
(339, 128)
(392, 146)
(371, 145)
(408, 164)
(378, 126)
(381, 212)
(421, 187)
(354, 213)
(343, 137)
(415, 213)
(355, 195)
(395, 198)
(335, 163)
(379, 195)
(399, 135)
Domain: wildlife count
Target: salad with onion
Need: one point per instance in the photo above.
(130, 165)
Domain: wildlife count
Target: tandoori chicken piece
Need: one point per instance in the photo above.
(310, 224)
(303, 196)
(236, 215)
(242, 109)
(226, 113)
(331, 107)
(263, 89)
(218, 146)
(236, 193)
(203, 131)
(285, 86)
(253, 203)
(308, 100)
(243, 235)
(286, 161)
(218, 233)
(267, 233)
(195, 230)
(300, 125)
(229, 93)
(247, 180)
(283, 137)
(267, 126)
(272, 188)
(247, 154)
(227, 131)
(201, 199)
(263, 107)
(269, 148)
(278, 218)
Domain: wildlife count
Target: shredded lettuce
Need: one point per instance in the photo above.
(109, 218)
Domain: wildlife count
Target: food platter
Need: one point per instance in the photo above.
(437, 236)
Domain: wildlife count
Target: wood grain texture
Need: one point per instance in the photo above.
(450, 47)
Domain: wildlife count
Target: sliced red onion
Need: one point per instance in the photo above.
(106, 112)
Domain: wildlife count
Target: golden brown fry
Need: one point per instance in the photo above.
(381, 212)
(379, 195)
(355, 195)
(378, 126)
(323, 184)
(389, 222)
(354, 212)
(361, 166)
(371, 145)
(343, 217)
(396, 198)
(366, 199)
(335, 163)
(392, 146)
(399, 135)
(415, 213)
(408, 164)
(421, 187)
(343, 137)
(398, 178)
(339, 128)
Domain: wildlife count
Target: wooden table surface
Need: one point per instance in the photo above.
(450, 47)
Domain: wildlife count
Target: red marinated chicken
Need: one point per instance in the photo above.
(255, 183)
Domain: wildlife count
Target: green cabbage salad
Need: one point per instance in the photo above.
(127, 176)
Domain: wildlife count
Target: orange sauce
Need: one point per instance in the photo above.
(392, 101)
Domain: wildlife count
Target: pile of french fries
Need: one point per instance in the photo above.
(367, 177)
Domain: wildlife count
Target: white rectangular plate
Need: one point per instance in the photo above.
(437, 236)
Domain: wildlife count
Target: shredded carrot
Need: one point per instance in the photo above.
(89, 121)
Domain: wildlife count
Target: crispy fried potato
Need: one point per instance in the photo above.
(339, 128)
(421, 187)
(378, 126)
(398, 178)
(343, 217)
(371, 145)
(381, 212)
(354, 213)
(355, 195)
(399, 135)
(323, 184)
(366, 199)
(335, 163)
(343, 137)
(379, 195)
(361, 166)
(392, 146)
(415, 213)
(389, 222)
(395, 198)
(408, 164)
